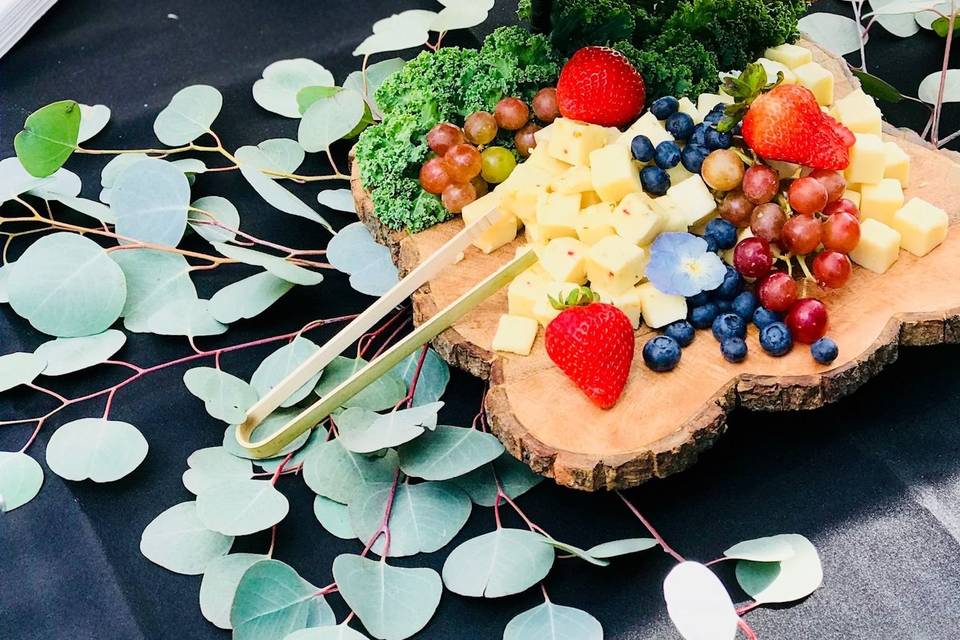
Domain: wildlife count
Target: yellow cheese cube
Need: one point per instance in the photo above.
(543, 309)
(613, 173)
(674, 217)
(879, 246)
(589, 198)
(678, 174)
(708, 101)
(646, 125)
(540, 158)
(660, 309)
(637, 222)
(565, 259)
(557, 215)
(859, 113)
(504, 229)
(631, 303)
(867, 160)
(789, 54)
(615, 264)
(819, 80)
(515, 334)
(896, 163)
(542, 136)
(521, 191)
(595, 223)
(852, 196)
(922, 226)
(525, 291)
(694, 198)
(573, 141)
(881, 200)
(613, 134)
(773, 68)
(787, 170)
(687, 107)
(573, 180)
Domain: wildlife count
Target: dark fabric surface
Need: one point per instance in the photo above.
(874, 480)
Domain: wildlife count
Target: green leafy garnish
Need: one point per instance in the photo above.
(745, 88)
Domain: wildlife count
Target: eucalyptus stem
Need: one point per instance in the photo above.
(938, 107)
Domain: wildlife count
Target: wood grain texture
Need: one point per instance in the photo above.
(663, 421)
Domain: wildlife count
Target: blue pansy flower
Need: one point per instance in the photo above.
(681, 265)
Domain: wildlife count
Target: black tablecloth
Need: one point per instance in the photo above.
(874, 480)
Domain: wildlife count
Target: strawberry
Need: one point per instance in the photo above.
(592, 344)
(599, 85)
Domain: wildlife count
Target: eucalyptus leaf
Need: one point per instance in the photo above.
(384, 393)
(699, 606)
(225, 397)
(330, 119)
(363, 431)
(281, 363)
(19, 368)
(500, 563)
(90, 208)
(48, 138)
(95, 448)
(877, 87)
(219, 584)
(67, 286)
(836, 33)
(252, 162)
(461, 15)
(274, 264)
(241, 507)
(15, 180)
(432, 379)
(575, 551)
(376, 74)
(901, 25)
(550, 621)
(270, 425)
(154, 279)
(185, 318)
(616, 548)
(214, 209)
(93, 118)
(338, 632)
(281, 155)
(308, 95)
(62, 182)
(20, 480)
(424, 517)
(354, 251)
(150, 199)
(393, 603)
(895, 7)
(338, 200)
(5, 281)
(117, 165)
(333, 472)
(770, 549)
(791, 579)
(930, 87)
(248, 298)
(68, 355)
(211, 466)
(189, 115)
(925, 19)
(403, 30)
(189, 166)
(334, 517)
(272, 601)
(515, 477)
(317, 436)
(448, 452)
(277, 90)
(177, 540)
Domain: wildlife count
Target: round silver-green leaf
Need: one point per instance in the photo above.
(354, 251)
(698, 604)
(274, 264)
(189, 115)
(151, 199)
(178, 541)
(279, 364)
(225, 397)
(96, 449)
(219, 584)
(93, 118)
(432, 379)
(154, 280)
(448, 452)
(277, 90)
(248, 298)
(792, 579)
(515, 477)
(384, 393)
(363, 431)
(253, 161)
(616, 548)
(334, 517)
(20, 480)
(19, 368)
(211, 466)
(550, 621)
(241, 507)
(329, 119)
(338, 474)
(206, 212)
(770, 549)
(500, 563)
(68, 355)
(270, 425)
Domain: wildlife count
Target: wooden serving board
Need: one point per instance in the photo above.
(663, 421)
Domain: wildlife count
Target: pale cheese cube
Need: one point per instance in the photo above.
(687, 107)
(595, 223)
(572, 141)
(790, 55)
(707, 101)
(922, 226)
(557, 215)
(565, 259)
(660, 309)
(896, 163)
(613, 173)
(859, 113)
(818, 79)
(879, 246)
(525, 291)
(543, 310)
(515, 334)
(635, 221)
(773, 68)
(522, 190)
(573, 180)
(540, 158)
(613, 134)
(881, 200)
(867, 160)
(501, 232)
(589, 199)
(542, 136)
(852, 196)
(674, 217)
(615, 264)
(646, 125)
(631, 303)
(678, 174)
(787, 170)
(693, 197)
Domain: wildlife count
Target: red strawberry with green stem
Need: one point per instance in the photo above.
(599, 85)
(593, 345)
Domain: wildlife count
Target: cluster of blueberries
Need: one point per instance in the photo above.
(700, 140)
(726, 311)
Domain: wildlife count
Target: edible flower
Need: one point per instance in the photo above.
(681, 265)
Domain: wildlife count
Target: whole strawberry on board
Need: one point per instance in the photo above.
(784, 122)
(599, 85)
(592, 343)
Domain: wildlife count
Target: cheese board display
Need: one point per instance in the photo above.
(810, 274)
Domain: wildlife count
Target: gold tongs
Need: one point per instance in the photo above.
(447, 255)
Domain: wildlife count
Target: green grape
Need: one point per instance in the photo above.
(498, 164)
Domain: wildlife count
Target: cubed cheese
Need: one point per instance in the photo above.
(635, 221)
(879, 246)
(613, 173)
(515, 334)
(573, 180)
(852, 196)
(789, 54)
(589, 198)
(867, 160)
(557, 215)
(540, 157)
(595, 223)
(896, 163)
(693, 198)
(631, 303)
(774, 68)
(881, 200)
(819, 80)
(504, 229)
(615, 264)
(572, 141)
(859, 113)
(525, 291)
(922, 226)
(646, 125)
(687, 107)
(787, 170)
(543, 310)
(522, 190)
(565, 259)
(678, 174)
(660, 309)
(542, 136)
(708, 101)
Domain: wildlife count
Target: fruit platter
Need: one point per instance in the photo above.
(767, 245)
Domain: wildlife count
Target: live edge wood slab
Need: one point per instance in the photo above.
(663, 421)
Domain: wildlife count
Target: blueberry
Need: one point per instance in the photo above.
(699, 135)
(714, 117)
(701, 298)
(680, 126)
(693, 156)
(734, 349)
(745, 304)
(703, 316)
(712, 245)
(661, 353)
(720, 107)
(729, 325)
(824, 350)
(642, 148)
(717, 140)
(654, 180)
(763, 317)
(724, 231)
(732, 285)
(663, 108)
(724, 306)
(667, 155)
(681, 331)
(775, 339)
(737, 129)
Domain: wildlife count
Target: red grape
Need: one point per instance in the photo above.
(545, 105)
(458, 195)
(832, 269)
(511, 114)
(443, 136)
(435, 175)
(736, 209)
(832, 181)
(525, 140)
(463, 162)
(480, 186)
(840, 232)
(807, 195)
(807, 320)
(480, 127)
(767, 221)
(777, 291)
(752, 257)
(761, 183)
(800, 235)
(722, 170)
(842, 205)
